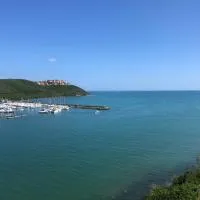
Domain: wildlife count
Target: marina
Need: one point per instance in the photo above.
(16, 109)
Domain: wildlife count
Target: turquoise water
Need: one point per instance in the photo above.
(78, 155)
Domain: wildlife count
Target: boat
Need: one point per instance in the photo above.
(97, 112)
(65, 107)
(2, 111)
(44, 111)
(6, 111)
(9, 110)
(56, 110)
(10, 117)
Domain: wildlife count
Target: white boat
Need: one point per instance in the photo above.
(9, 110)
(2, 111)
(97, 112)
(10, 117)
(65, 108)
(56, 110)
(44, 111)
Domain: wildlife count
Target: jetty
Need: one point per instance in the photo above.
(88, 107)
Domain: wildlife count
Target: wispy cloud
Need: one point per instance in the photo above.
(52, 59)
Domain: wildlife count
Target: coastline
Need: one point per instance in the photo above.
(145, 186)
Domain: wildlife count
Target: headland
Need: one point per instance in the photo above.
(17, 89)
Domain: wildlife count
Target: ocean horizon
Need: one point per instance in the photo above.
(146, 138)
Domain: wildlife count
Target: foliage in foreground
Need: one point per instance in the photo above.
(184, 187)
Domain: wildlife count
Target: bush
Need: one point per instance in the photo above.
(184, 187)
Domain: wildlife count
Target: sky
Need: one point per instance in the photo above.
(103, 44)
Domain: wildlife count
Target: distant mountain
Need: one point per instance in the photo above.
(25, 89)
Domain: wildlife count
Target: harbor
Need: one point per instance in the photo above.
(17, 109)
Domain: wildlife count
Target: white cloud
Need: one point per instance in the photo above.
(52, 59)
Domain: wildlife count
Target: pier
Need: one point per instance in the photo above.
(88, 107)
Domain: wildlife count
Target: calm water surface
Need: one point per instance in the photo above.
(78, 155)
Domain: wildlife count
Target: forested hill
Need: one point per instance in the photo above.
(25, 89)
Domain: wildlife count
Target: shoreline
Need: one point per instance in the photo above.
(25, 98)
(163, 178)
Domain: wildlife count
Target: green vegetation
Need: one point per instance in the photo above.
(184, 187)
(24, 89)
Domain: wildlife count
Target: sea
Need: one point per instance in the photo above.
(145, 139)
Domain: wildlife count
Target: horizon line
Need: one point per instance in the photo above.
(176, 90)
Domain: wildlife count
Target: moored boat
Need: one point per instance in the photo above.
(44, 111)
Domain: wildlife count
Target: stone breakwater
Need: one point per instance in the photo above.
(91, 107)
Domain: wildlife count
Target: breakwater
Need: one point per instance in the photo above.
(90, 107)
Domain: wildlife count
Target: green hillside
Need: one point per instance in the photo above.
(25, 89)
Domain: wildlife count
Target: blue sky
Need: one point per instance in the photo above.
(103, 44)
